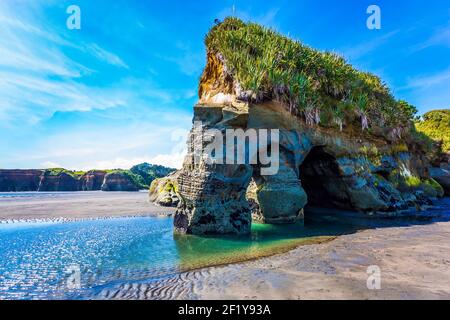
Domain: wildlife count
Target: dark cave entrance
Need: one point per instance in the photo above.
(321, 180)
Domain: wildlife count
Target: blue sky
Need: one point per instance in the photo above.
(121, 90)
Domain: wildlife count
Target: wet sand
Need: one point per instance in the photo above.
(414, 263)
(77, 205)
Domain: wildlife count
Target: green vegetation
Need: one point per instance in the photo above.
(171, 187)
(141, 175)
(150, 172)
(431, 183)
(436, 124)
(136, 179)
(411, 183)
(163, 185)
(58, 171)
(399, 148)
(320, 86)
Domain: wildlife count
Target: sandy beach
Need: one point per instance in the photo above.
(414, 261)
(77, 205)
(414, 264)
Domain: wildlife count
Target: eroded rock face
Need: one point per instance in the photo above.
(214, 200)
(19, 180)
(54, 180)
(317, 166)
(92, 180)
(59, 182)
(118, 182)
(442, 176)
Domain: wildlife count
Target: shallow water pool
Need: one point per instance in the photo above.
(61, 260)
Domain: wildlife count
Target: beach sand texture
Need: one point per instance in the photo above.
(77, 205)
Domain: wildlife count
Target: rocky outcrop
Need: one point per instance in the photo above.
(317, 166)
(92, 180)
(58, 182)
(360, 166)
(119, 181)
(442, 176)
(164, 191)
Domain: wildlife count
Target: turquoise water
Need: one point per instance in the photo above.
(38, 259)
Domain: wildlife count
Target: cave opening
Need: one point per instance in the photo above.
(321, 180)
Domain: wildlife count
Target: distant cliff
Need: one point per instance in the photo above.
(59, 179)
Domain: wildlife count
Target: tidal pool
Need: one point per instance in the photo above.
(72, 259)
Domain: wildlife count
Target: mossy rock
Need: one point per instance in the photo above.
(432, 188)
(164, 191)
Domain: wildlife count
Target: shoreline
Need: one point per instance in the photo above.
(77, 206)
(68, 220)
(414, 263)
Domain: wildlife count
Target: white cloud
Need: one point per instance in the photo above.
(439, 37)
(49, 164)
(267, 18)
(189, 62)
(169, 160)
(428, 81)
(106, 56)
(360, 50)
(429, 91)
(116, 163)
(32, 97)
(39, 81)
(158, 142)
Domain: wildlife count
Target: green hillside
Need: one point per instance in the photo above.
(436, 125)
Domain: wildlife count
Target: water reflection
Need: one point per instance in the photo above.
(264, 240)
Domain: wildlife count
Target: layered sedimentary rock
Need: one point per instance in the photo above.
(58, 182)
(317, 166)
(59, 179)
(117, 181)
(19, 180)
(92, 180)
(330, 165)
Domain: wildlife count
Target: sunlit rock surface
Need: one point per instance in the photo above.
(324, 166)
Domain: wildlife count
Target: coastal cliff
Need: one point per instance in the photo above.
(19, 180)
(344, 140)
(59, 179)
(119, 181)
